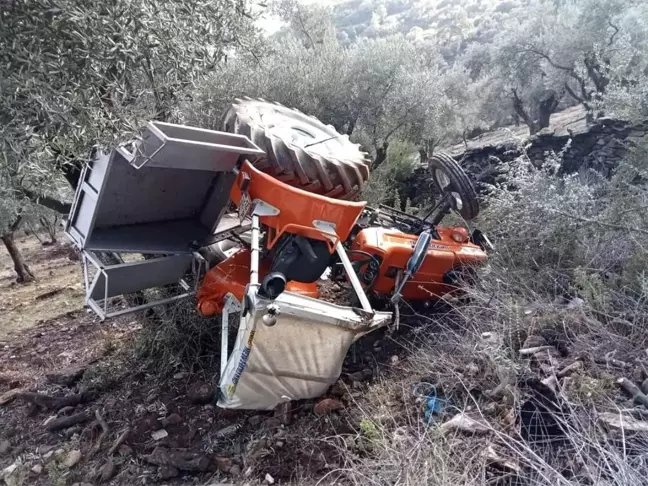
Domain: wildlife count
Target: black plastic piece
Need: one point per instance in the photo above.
(301, 259)
(273, 285)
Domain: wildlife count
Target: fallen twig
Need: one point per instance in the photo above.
(576, 365)
(532, 351)
(120, 440)
(66, 422)
(613, 362)
(104, 432)
(634, 391)
(45, 402)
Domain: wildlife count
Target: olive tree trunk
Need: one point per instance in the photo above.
(22, 270)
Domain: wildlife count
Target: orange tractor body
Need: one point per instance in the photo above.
(287, 211)
(393, 249)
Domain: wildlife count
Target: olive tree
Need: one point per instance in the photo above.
(75, 74)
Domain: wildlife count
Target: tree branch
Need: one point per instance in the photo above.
(573, 94)
(46, 201)
(567, 69)
(616, 31)
(16, 224)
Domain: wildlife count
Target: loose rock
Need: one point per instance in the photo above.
(107, 471)
(200, 393)
(173, 419)
(220, 463)
(72, 458)
(357, 376)
(255, 420)
(5, 446)
(269, 479)
(37, 469)
(327, 406)
(67, 376)
(125, 450)
(159, 434)
(623, 422)
(465, 423)
(10, 395)
(168, 472)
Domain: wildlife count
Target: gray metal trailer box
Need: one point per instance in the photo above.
(171, 190)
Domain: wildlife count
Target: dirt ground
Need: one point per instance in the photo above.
(58, 289)
(54, 348)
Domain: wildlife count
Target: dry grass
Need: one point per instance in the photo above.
(535, 436)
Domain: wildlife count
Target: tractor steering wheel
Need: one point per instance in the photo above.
(357, 267)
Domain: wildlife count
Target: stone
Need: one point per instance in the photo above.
(5, 447)
(200, 393)
(72, 458)
(72, 431)
(10, 395)
(107, 471)
(472, 369)
(255, 420)
(327, 405)
(463, 422)
(575, 303)
(125, 450)
(625, 423)
(357, 376)
(221, 463)
(67, 376)
(269, 479)
(44, 449)
(272, 423)
(168, 472)
(159, 434)
(37, 469)
(173, 419)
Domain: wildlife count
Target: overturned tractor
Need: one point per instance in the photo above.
(249, 221)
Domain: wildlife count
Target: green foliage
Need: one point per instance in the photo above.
(79, 73)
(382, 187)
(577, 232)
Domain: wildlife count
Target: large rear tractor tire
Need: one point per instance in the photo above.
(300, 150)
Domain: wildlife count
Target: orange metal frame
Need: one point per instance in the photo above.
(298, 209)
(395, 249)
(298, 212)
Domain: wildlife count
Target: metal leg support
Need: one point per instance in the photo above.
(231, 305)
(254, 246)
(353, 278)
